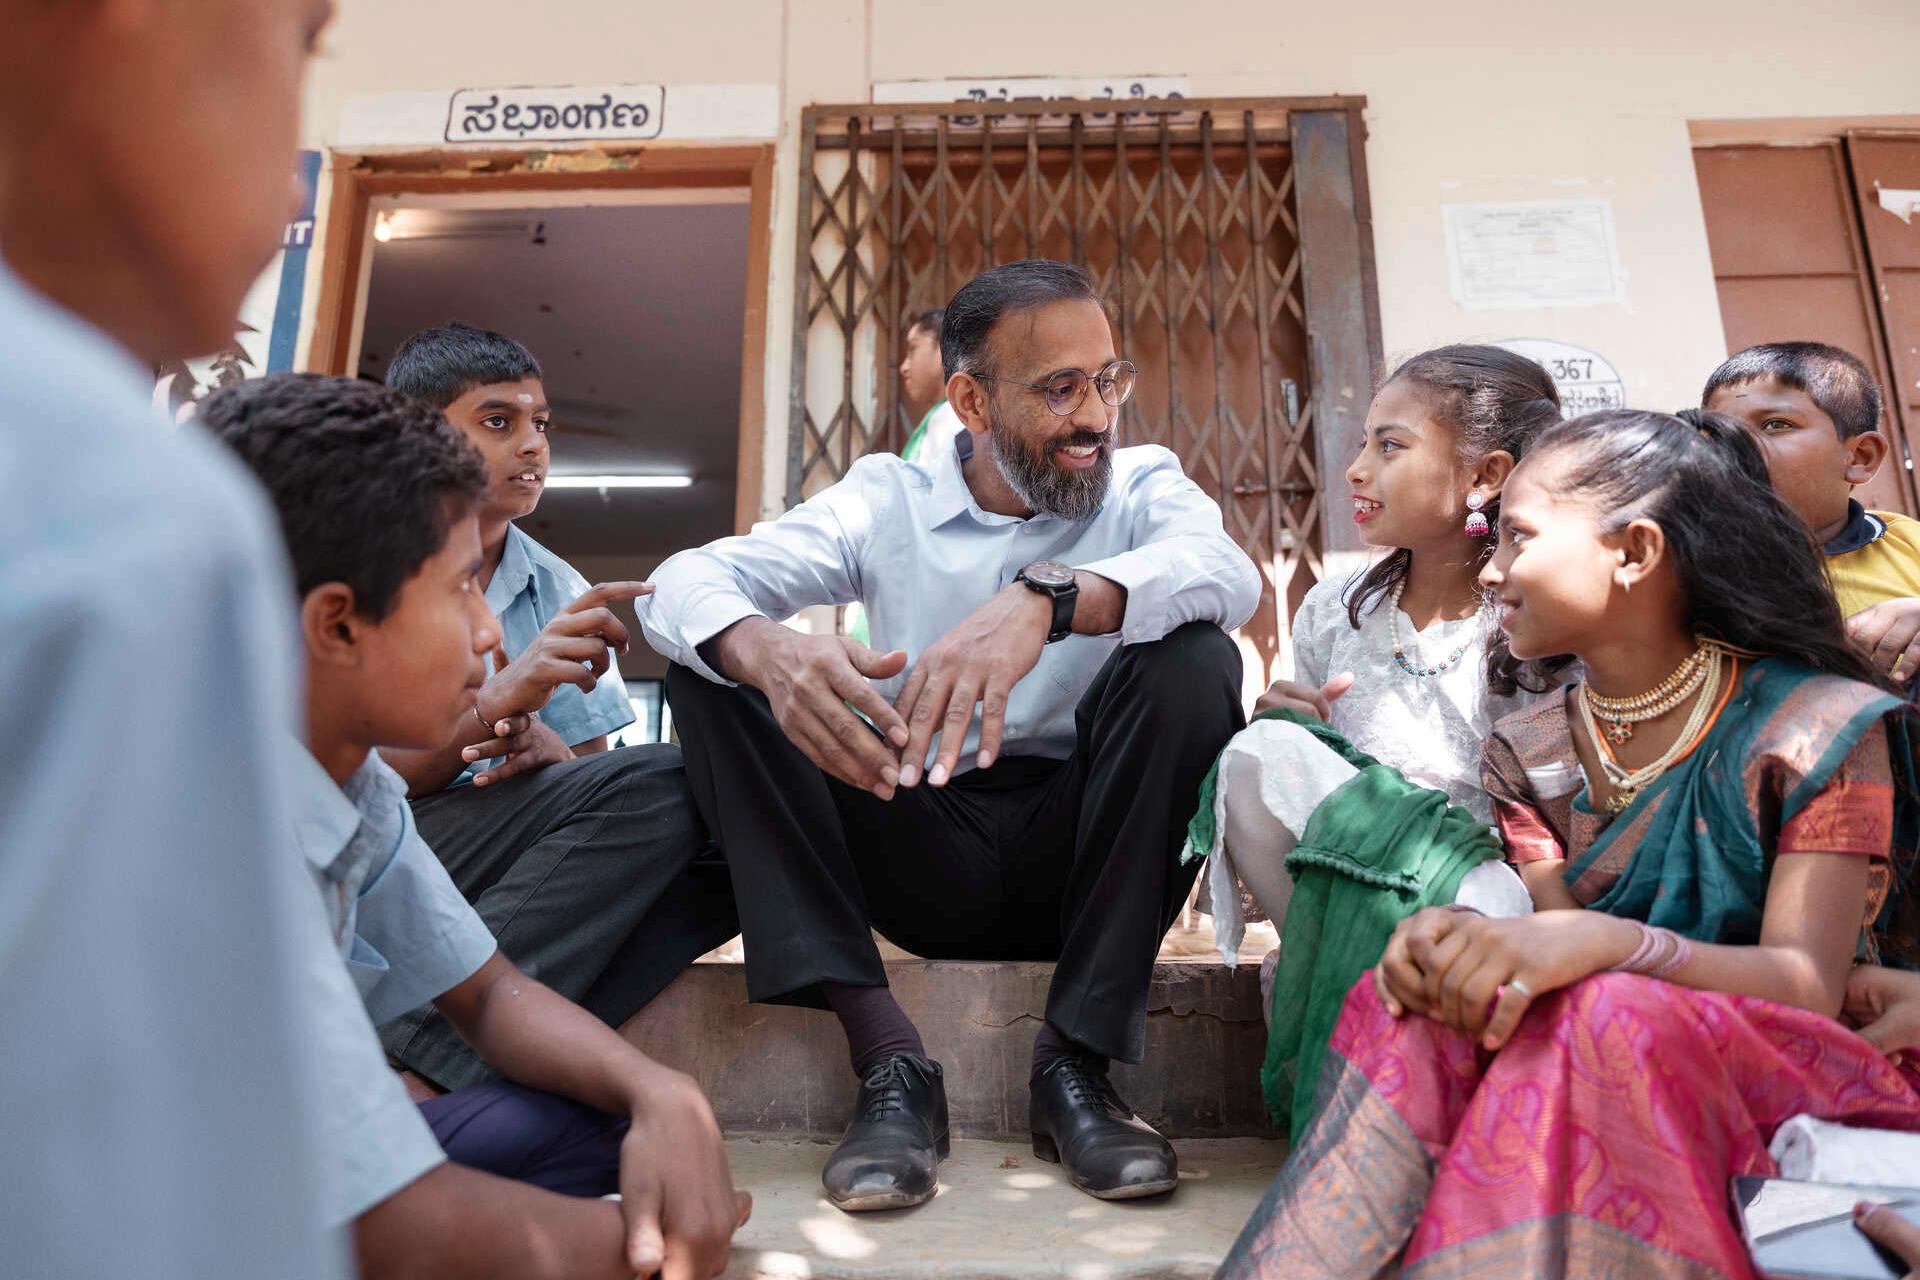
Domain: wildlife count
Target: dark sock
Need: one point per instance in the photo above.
(1052, 1044)
(875, 1025)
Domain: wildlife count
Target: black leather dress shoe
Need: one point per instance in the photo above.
(891, 1155)
(1108, 1151)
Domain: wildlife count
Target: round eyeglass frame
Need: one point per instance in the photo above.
(1060, 386)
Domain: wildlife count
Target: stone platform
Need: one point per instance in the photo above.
(776, 1071)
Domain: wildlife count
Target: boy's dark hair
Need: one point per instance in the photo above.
(441, 365)
(1836, 380)
(367, 481)
(970, 316)
(1491, 399)
(928, 322)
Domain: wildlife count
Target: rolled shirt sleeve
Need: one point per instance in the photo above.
(1183, 567)
(809, 556)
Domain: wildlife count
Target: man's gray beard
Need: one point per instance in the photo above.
(1042, 484)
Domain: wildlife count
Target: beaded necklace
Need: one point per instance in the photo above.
(1400, 658)
(1621, 714)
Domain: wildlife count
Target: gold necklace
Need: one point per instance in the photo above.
(1627, 783)
(1621, 714)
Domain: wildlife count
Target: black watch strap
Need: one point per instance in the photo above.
(1055, 581)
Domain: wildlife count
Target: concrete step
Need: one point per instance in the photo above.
(1000, 1215)
(781, 1071)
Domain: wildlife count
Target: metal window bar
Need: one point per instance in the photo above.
(1182, 210)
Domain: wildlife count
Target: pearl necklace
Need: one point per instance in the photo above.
(1400, 658)
(1621, 714)
(1629, 783)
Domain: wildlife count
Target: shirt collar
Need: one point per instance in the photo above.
(951, 497)
(514, 573)
(1863, 528)
(328, 817)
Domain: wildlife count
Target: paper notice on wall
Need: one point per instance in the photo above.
(1902, 204)
(1533, 255)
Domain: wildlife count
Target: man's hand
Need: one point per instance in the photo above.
(675, 1190)
(1889, 632)
(1885, 1005)
(975, 664)
(1304, 698)
(571, 649)
(527, 744)
(809, 682)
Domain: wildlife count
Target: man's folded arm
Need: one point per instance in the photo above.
(810, 556)
(1182, 567)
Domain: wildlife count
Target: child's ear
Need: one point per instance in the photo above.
(1492, 472)
(1865, 453)
(1641, 548)
(330, 626)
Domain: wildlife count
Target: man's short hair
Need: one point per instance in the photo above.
(928, 322)
(441, 365)
(1017, 286)
(367, 481)
(1836, 380)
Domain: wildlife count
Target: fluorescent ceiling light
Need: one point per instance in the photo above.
(680, 481)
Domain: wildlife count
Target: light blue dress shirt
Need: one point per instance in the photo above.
(530, 587)
(406, 936)
(909, 542)
(157, 1085)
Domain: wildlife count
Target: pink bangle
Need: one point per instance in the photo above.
(1660, 953)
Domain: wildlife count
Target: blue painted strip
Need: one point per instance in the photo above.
(295, 245)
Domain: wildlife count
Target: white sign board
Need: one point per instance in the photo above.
(1533, 255)
(540, 117)
(1032, 89)
(602, 114)
(1585, 379)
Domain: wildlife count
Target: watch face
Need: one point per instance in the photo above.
(1048, 573)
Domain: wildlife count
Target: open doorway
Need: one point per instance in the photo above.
(634, 309)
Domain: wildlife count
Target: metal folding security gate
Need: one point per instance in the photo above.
(1218, 231)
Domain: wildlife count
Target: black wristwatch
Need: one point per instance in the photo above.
(1055, 581)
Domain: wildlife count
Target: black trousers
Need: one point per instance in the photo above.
(596, 876)
(1074, 860)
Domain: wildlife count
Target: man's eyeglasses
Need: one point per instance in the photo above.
(1066, 389)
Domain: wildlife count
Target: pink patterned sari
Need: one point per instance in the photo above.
(1599, 1141)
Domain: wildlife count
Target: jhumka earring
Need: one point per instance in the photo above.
(1477, 526)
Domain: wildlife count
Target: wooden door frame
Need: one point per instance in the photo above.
(356, 180)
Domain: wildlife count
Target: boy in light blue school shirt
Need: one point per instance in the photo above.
(531, 587)
(375, 494)
(591, 866)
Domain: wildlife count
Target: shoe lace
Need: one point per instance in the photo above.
(1086, 1084)
(885, 1085)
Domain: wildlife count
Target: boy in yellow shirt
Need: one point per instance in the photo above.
(1815, 411)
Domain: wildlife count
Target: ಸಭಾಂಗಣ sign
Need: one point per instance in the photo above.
(598, 114)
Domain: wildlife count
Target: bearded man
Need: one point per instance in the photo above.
(1049, 682)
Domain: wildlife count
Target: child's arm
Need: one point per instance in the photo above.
(456, 1223)
(674, 1181)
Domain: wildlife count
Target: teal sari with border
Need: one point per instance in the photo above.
(1693, 852)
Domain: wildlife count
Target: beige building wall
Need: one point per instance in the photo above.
(1469, 101)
